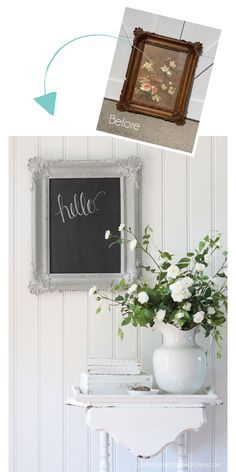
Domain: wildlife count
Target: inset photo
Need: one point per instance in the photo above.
(158, 80)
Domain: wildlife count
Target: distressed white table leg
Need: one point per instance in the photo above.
(104, 452)
(182, 456)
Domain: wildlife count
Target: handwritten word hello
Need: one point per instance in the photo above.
(79, 206)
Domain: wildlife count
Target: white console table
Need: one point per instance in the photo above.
(144, 424)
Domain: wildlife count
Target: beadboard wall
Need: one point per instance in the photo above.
(53, 334)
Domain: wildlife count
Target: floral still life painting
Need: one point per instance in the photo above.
(159, 76)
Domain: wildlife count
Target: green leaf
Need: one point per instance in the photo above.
(98, 309)
(219, 321)
(126, 321)
(154, 297)
(182, 265)
(201, 245)
(118, 241)
(119, 298)
(165, 265)
(190, 254)
(119, 286)
(184, 259)
(161, 276)
(208, 292)
(120, 334)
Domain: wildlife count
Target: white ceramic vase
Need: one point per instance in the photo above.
(179, 364)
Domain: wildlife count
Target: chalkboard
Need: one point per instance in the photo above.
(80, 211)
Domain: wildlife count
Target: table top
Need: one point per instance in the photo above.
(152, 400)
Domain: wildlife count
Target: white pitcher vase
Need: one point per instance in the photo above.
(179, 364)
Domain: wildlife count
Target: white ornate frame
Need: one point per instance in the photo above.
(42, 170)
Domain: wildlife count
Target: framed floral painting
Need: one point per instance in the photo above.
(159, 76)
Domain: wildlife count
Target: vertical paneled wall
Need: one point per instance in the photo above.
(53, 334)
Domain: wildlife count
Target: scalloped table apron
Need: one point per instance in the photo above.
(135, 422)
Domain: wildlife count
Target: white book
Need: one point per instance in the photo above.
(93, 383)
(115, 370)
(114, 366)
(103, 362)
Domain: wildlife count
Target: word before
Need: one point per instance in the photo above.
(124, 123)
(78, 207)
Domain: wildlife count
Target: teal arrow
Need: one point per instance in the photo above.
(48, 100)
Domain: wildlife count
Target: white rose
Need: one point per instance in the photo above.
(187, 306)
(199, 267)
(186, 293)
(198, 317)
(177, 296)
(133, 244)
(207, 258)
(187, 282)
(210, 310)
(92, 290)
(160, 315)
(143, 297)
(176, 286)
(173, 272)
(107, 234)
(132, 289)
(121, 227)
(179, 315)
(179, 292)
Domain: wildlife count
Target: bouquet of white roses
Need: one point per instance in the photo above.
(183, 294)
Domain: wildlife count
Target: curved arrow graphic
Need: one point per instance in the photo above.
(48, 100)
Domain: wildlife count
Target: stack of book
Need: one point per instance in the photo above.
(113, 376)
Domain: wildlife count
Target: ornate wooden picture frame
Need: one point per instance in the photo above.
(73, 204)
(159, 76)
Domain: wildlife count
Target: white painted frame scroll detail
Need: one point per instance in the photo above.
(145, 425)
(42, 170)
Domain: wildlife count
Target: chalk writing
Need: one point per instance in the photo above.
(80, 206)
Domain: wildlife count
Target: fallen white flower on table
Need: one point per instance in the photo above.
(92, 291)
(133, 244)
(143, 297)
(132, 289)
(107, 234)
(173, 272)
(198, 317)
